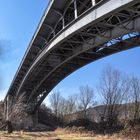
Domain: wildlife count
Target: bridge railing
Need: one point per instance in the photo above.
(100, 2)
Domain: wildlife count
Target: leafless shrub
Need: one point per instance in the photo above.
(55, 100)
(135, 97)
(86, 100)
(113, 89)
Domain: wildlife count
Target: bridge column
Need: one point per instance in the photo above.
(7, 107)
(20, 113)
(63, 21)
(75, 8)
(4, 110)
(28, 120)
(93, 2)
(33, 116)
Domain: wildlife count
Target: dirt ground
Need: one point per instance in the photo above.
(55, 135)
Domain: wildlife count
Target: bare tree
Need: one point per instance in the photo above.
(62, 107)
(66, 107)
(135, 97)
(71, 104)
(69, 107)
(45, 109)
(55, 99)
(86, 99)
(113, 89)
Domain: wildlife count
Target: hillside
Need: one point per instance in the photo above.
(94, 114)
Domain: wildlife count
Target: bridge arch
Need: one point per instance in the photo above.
(96, 33)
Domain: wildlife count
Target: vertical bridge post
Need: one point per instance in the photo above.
(93, 2)
(5, 109)
(75, 8)
(8, 104)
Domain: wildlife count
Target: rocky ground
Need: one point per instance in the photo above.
(59, 134)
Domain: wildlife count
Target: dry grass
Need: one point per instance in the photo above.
(59, 134)
(28, 136)
(67, 135)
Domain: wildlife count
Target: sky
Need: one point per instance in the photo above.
(18, 22)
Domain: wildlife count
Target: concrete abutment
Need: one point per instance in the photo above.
(20, 114)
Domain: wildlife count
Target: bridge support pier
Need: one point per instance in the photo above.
(20, 113)
(5, 115)
(8, 103)
(25, 121)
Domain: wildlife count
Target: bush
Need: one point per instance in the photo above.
(132, 129)
(83, 123)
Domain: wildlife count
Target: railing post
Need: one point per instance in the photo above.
(93, 2)
(75, 9)
(63, 22)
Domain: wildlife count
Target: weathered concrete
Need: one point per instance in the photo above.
(21, 115)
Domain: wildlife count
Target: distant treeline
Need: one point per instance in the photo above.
(119, 102)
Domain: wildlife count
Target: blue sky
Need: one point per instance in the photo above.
(18, 22)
